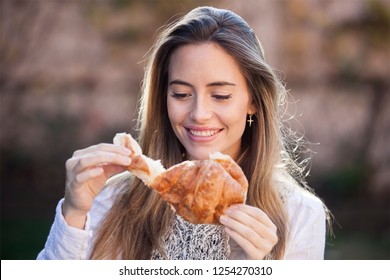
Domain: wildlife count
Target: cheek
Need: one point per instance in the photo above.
(175, 113)
(237, 124)
(234, 117)
(171, 113)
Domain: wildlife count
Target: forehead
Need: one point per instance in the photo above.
(207, 61)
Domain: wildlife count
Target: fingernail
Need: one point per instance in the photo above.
(222, 219)
(127, 151)
(234, 206)
(127, 160)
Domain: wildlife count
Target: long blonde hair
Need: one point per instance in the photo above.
(139, 218)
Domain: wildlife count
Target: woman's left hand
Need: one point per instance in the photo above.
(251, 229)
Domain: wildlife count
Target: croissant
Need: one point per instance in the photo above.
(199, 190)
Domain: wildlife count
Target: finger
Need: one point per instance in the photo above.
(88, 174)
(111, 169)
(70, 163)
(254, 245)
(250, 222)
(245, 216)
(252, 212)
(247, 232)
(100, 158)
(252, 251)
(104, 147)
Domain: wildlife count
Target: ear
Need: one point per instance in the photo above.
(252, 109)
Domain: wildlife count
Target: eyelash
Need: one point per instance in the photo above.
(222, 97)
(182, 96)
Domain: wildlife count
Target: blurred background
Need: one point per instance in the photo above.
(71, 74)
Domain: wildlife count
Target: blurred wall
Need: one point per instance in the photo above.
(71, 73)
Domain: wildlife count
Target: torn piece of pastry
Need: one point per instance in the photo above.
(199, 190)
(141, 166)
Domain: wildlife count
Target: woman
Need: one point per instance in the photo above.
(207, 88)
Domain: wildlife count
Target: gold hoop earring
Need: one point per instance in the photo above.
(250, 121)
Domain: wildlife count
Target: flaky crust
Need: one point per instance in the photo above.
(200, 191)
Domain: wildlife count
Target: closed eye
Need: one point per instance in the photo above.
(222, 97)
(181, 96)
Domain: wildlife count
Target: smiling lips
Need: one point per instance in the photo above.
(202, 135)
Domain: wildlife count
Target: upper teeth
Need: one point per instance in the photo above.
(203, 133)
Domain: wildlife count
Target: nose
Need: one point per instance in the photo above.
(201, 110)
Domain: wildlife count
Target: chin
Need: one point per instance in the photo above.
(199, 155)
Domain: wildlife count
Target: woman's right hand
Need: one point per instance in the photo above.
(86, 175)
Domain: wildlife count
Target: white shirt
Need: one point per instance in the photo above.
(306, 227)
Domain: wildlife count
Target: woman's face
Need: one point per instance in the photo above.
(208, 100)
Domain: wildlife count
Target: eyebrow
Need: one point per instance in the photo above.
(213, 84)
